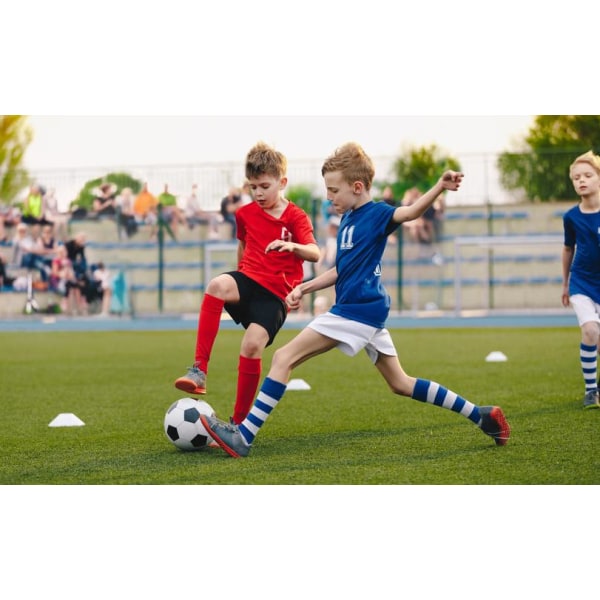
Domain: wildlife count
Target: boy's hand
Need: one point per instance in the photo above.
(280, 246)
(293, 298)
(451, 180)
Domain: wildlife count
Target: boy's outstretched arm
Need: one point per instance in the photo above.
(450, 180)
(322, 281)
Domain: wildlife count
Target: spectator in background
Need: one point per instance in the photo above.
(126, 216)
(34, 209)
(76, 253)
(9, 217)
(45, 247)
(63, 281)
(26, 254)
(5, 279)
(145, 209)
(229, 206)
(195, 215)
(53, 214)
(388, 196)
(415, 228)
(101, 275)
(105, 200)
(171, 213)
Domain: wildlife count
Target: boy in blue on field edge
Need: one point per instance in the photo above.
(581, 269)
(357, 319)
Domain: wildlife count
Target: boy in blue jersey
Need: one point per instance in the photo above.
(581, 267)
(357, 319)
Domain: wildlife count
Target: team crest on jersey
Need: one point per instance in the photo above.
(286, 234)
(377, 271)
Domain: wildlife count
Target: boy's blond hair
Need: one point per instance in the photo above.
(589, 158)
(353, 163)
(262, 159)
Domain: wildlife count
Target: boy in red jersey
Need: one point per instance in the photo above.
(275, 238)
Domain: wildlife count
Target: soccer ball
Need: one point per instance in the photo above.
(183, 427)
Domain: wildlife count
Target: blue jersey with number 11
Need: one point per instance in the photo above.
(359, 292)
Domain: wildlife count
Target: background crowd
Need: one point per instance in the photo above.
(37, 250)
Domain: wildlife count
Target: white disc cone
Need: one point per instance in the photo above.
(298, 384)
(66, 420)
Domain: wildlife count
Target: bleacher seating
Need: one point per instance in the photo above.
(517, 273)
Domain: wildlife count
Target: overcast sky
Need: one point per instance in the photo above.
(84, 141)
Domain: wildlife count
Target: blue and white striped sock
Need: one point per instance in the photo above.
(588, 356)
(269, 395)
(434, 393)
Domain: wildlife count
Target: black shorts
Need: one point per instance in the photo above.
(257, 305)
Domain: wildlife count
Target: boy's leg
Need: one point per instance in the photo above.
(249, 370)
(237, 440)
(490, 419)
(209, 320)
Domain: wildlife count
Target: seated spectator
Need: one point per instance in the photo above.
(127, 221)
(195, 215)
(145, 209)
(171, 213)
(25, 253)
(229, 206)
(34, 209)
(76, 253)
(64, 281)
(101, 275)
(6, 280)
(53, 214)
(45, 246)
(9, 217)
(105, 201)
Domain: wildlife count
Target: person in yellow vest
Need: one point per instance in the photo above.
(34, 209)
(171, 212)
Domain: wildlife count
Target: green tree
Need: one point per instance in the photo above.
(419, 167)
(302, 196)
(86, 196)
(540, 167)
(15, 137)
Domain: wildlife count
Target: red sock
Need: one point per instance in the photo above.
(209, 321)
(248, 378)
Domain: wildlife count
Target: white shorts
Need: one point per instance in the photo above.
(353, 336)
(585, 309)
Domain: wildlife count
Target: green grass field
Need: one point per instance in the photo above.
(348, 429)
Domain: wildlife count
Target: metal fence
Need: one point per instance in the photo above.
(480, 186)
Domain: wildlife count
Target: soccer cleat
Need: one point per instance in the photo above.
(194, 382)
(227, 435)
(591, 400)
(494, 424)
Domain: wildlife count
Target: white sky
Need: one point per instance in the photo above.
(84, 141)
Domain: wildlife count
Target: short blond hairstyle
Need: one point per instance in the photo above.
(353, 163)
(589, 158)
(262, 159)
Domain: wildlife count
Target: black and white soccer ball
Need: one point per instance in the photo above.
(183, 426)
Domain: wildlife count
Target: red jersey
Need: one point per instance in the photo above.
(279, 272)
